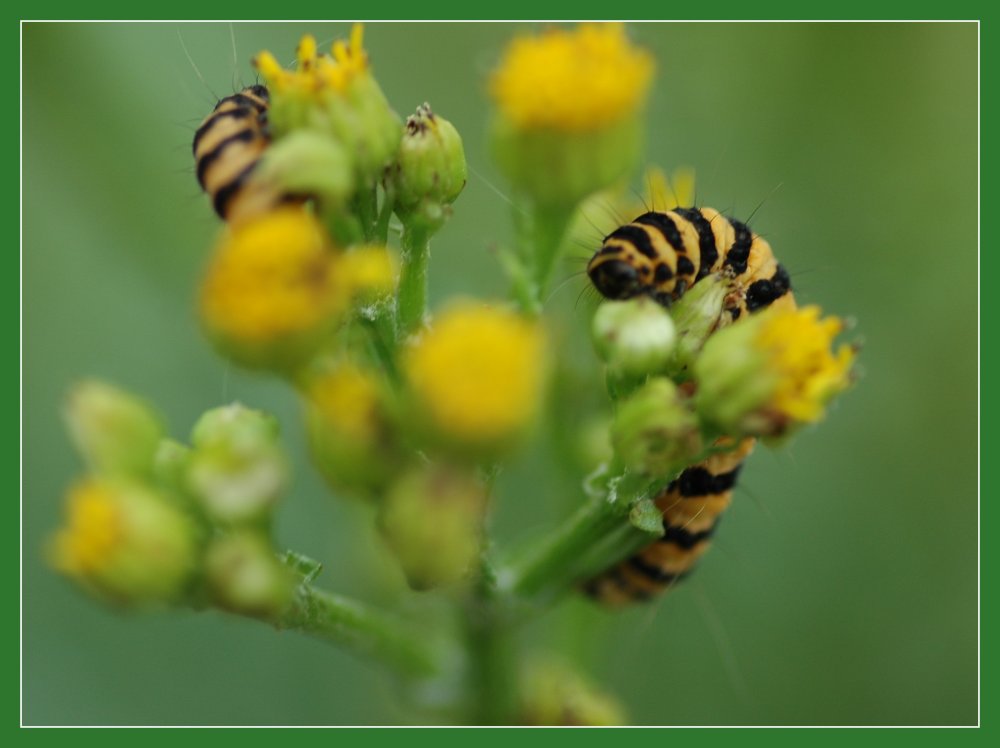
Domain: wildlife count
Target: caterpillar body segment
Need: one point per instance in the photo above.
(227, 147)
(692, 506)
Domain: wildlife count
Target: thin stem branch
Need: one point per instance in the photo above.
(361, 629)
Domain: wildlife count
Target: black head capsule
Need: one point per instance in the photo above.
(614, 279)
(261, 92)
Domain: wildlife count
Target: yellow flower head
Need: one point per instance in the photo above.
(368, 272)
(764, 375)
(317, 72)
(125, 542)
(348, 399)
(799, 349)
(348, 435)
(477, 373)
(93, 529)
(572, 80)
(271, 288)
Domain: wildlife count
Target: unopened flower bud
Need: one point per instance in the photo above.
(349, 436)
(126, 542)
(655, 431)
(170, 466)
(246, 576)
(555, 694)
(115, 431)
(696, 315)
(237, 471)
(308, 163)
(235, 425)
(430, 170)
(635, 337)
(771, 372)
(432, 521)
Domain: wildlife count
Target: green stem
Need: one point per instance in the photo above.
(366, 208)
(381, 328)
(598, 535)
(412, 300)
(556, 563)
(548, 226)
(492, 652)
(361, 629)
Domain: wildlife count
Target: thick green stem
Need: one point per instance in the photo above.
(366, 209)
(412, 300)
(556, 563)
(361, 629)
(598, 535)
(492, 652)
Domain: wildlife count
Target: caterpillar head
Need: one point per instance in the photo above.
(614, 278)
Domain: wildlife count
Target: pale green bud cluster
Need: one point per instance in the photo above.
(158, 521)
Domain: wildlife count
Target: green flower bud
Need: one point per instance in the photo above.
(170, 466)
(309, 163)
(245, 576)
(634, 337)
(696, 315)
(235, 425)
(655, 432)
(432, 521)
(116, 432)
(126, 542)
(556, 694)
(237, 471)
(430, 170)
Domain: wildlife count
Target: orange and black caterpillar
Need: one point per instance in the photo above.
(227, 147)
(661, 255)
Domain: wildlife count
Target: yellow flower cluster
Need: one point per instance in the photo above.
(572, 80)
(317, 72)
(799, 350)
(478, 372)
(271, 280)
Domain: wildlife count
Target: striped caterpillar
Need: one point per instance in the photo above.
(661, 255)
(227, 148)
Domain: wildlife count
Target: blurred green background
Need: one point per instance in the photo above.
(843, 586)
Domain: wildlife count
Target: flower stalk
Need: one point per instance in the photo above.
(412, 298)
(363, 630)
